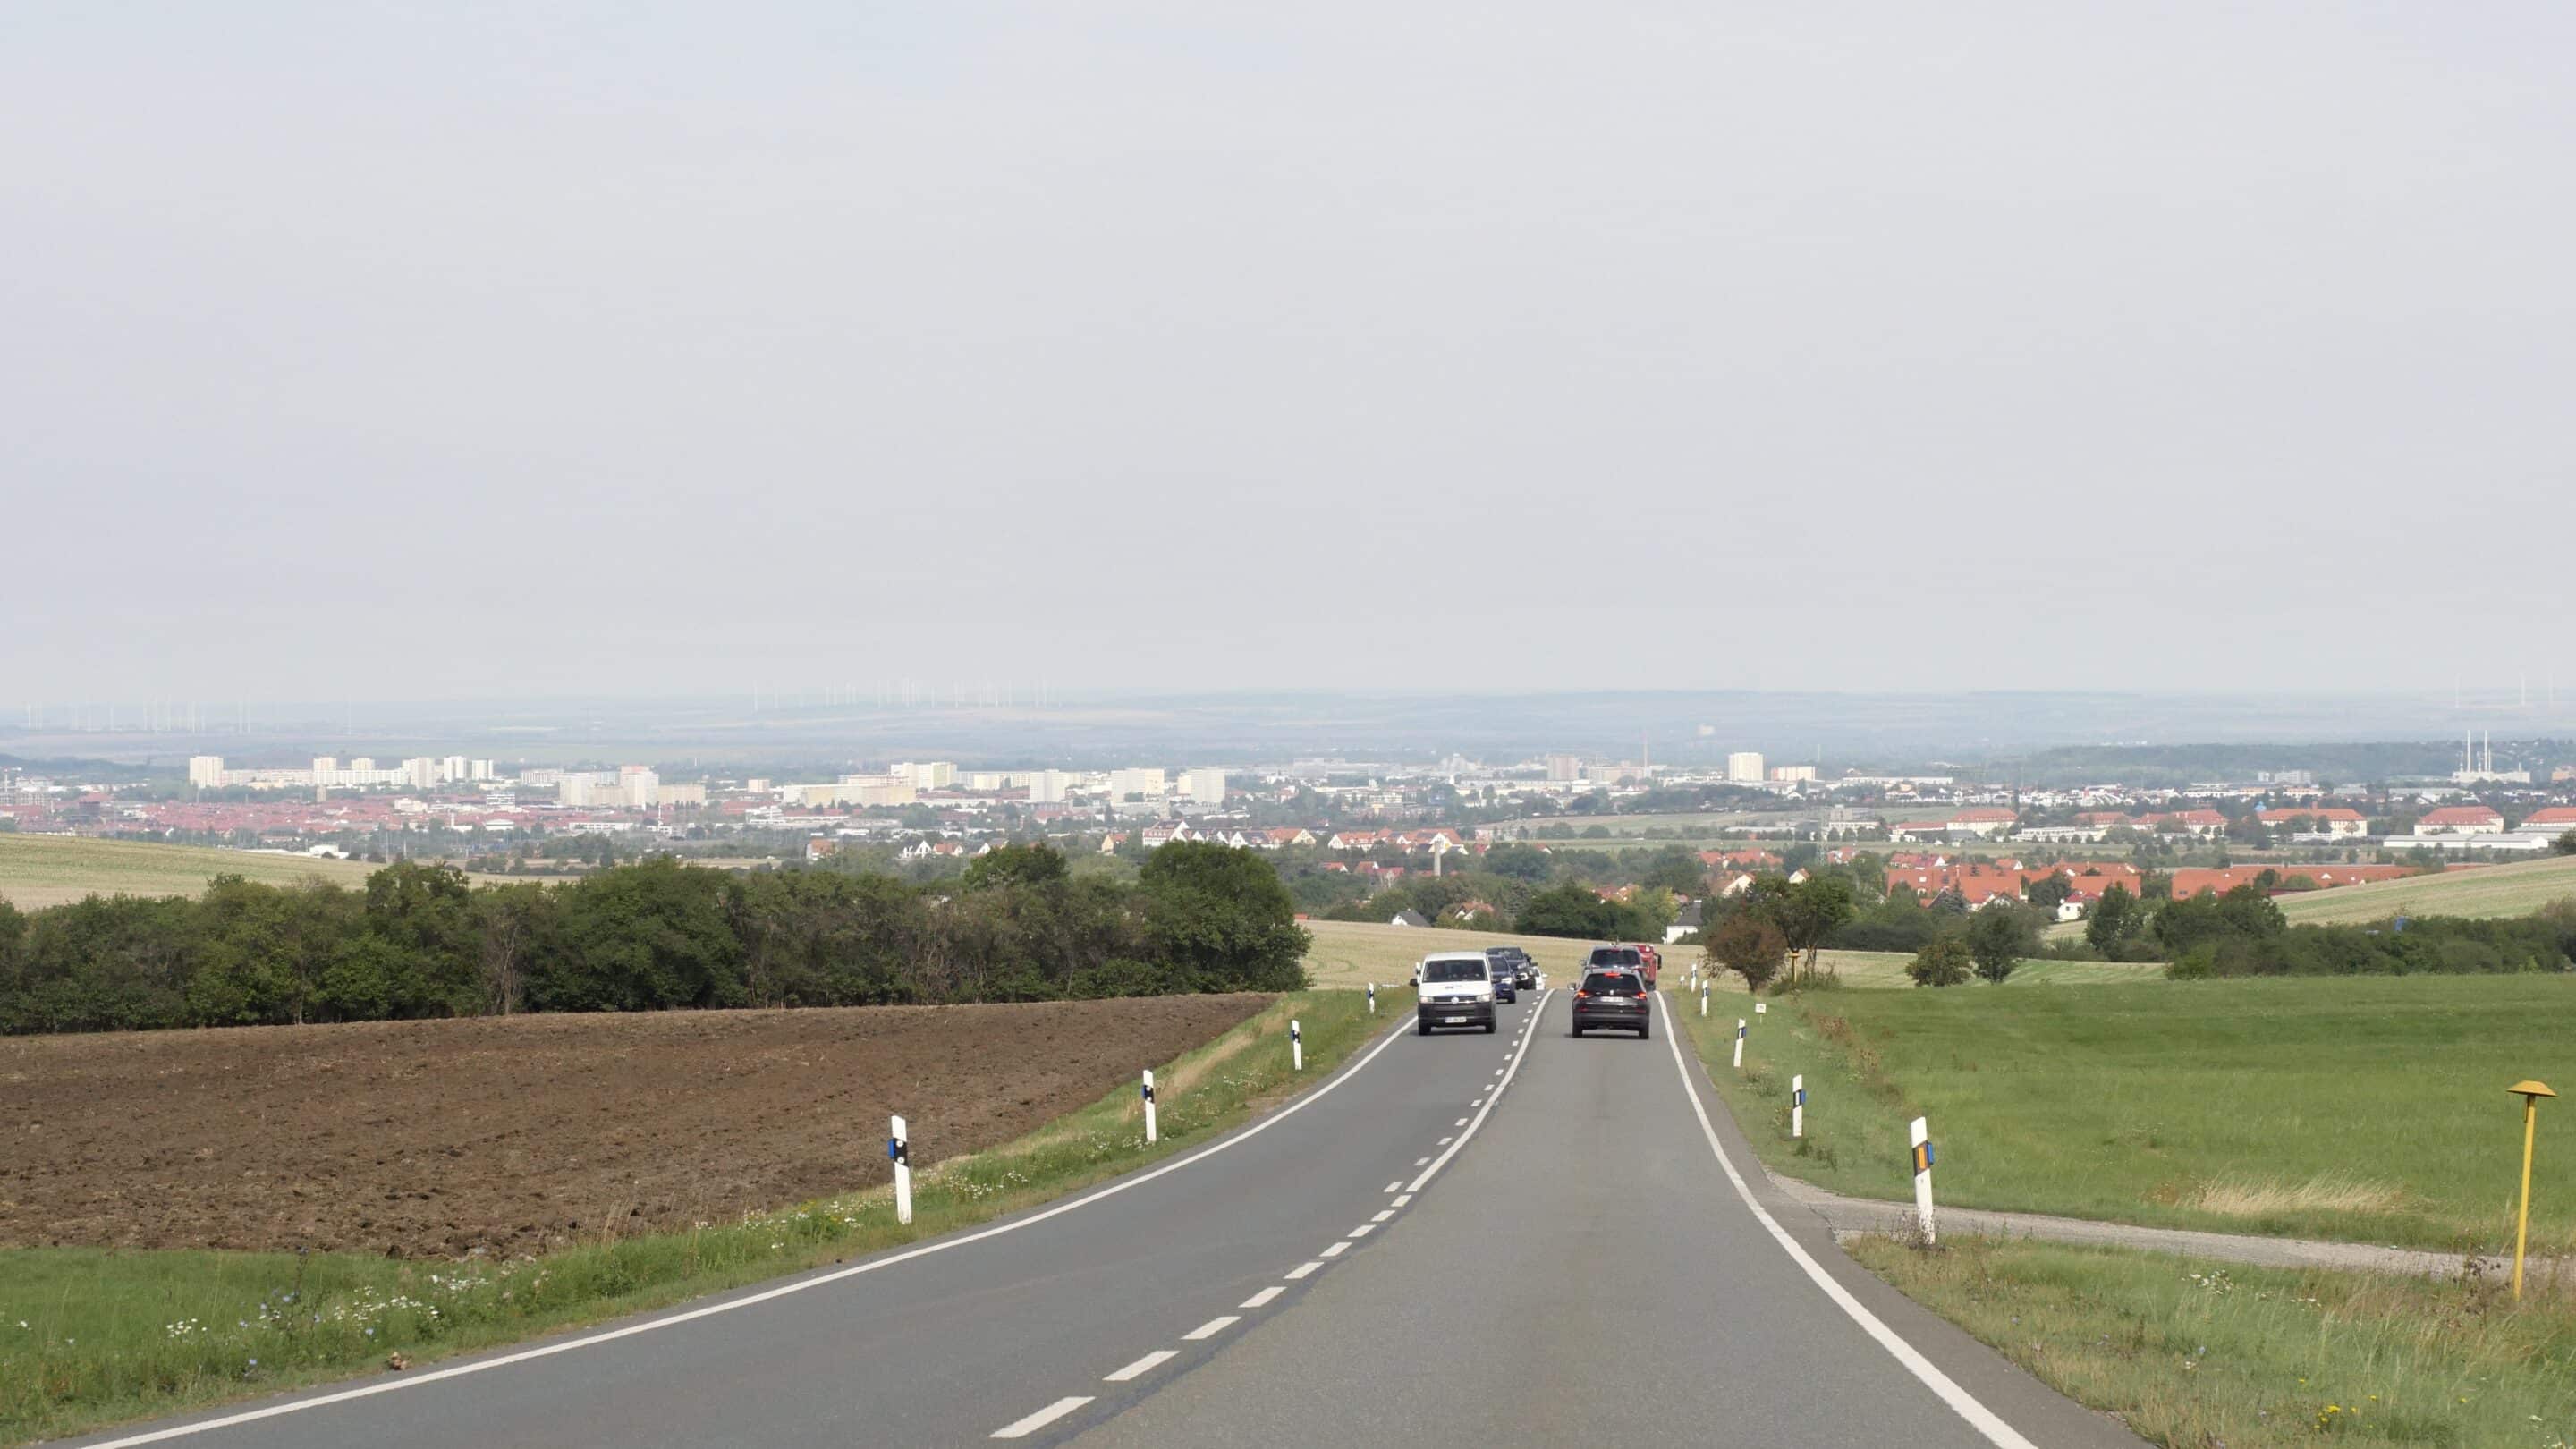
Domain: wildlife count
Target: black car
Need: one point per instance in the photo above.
(1615, 999)
(1524, 970)
(1506, 978)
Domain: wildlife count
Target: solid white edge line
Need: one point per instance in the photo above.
(936, 1245)
(1021, 1429)
(1487, 1110)
(1211, 1328)
(1262, 1298)
(1142, 1366)
(1984, 1420)
(1301, 1270)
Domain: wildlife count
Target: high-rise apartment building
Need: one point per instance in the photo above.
(1145, 782)
(1745, 767)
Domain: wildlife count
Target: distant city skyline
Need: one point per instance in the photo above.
(369, 354)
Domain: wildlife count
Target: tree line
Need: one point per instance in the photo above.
(1777, 922)
(421, 941)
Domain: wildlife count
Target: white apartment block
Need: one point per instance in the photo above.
(1744, 767)
(1145, 782)
(1204, 785)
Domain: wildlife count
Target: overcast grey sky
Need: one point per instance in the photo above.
(447, 349)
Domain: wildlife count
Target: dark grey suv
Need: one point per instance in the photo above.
(1616, 999)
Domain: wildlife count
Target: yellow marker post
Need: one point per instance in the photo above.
(2531, 1093)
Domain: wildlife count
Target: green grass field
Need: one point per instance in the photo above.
(48, 870)
(2193, 1354)
(2369, 1109)
(2516, 889)
(90, 1337)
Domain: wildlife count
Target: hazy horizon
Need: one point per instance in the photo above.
(459, 354)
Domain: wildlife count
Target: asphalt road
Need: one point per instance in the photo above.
(1521, 1238)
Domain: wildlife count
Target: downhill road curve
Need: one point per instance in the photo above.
(1516, 1239)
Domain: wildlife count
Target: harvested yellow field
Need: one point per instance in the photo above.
(49, 870)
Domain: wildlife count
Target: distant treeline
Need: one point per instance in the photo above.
(2242, 934)
(2239, 933)
(419, 941)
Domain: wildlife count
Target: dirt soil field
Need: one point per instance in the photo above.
(520, 1134)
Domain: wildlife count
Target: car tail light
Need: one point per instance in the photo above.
(1581, 995)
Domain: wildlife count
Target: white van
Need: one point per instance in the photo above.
(1455, 988)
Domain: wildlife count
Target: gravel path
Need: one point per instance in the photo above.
(1852, 1216)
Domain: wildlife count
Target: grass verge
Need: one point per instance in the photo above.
(2192, 1355)
(2368, 1109)
(90, 1337)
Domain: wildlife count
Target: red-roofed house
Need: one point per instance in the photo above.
(2311, 820)
(2553, 817)
(2196, 822)
(1981, 820)
(2460, 820)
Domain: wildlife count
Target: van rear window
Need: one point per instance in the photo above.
(1617, 956)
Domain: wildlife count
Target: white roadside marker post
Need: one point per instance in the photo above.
(1703, 998)
(1739, 1043)
(1922, 1138)
(1797, 1106)
(899, 1147)
(1149, 1106)
(1296, 1045)
(1372, 998)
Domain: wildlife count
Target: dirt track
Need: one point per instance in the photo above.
(435, 1138)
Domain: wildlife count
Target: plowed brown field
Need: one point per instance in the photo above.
(518, 1134)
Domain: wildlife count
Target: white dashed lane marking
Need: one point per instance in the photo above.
(1211, 1328)
(1262, 1297)
(1363, 1230)
(1402, 1198)
(1396, 1186)
(1335, 1251)
(1145, 1365)
(1418, 1162)
(1301, 1270)
(1383, 1216)
(1043, 1417)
